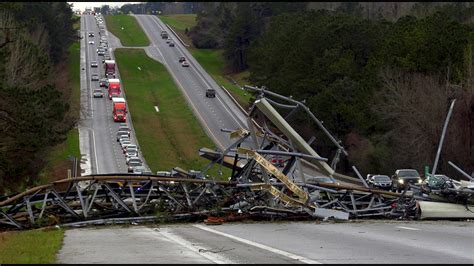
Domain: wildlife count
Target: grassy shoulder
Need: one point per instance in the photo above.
(30, 247)
(57, 158)
(172, 136)
(179, 23)
(211, 60)
(127, 29)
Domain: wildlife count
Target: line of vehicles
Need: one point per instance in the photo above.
(119, 105)
(210, 93)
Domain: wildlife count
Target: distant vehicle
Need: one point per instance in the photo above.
(440, 182)
(91, 34)
(132, 165)
(164, 34)
(101, 52)
(131, 153)
(114, 88)
(133, 159)
(379, 181)
(168, 40)
(181, 59)
(171, 44)
(131, 146)
(403, 177)
(124, 129)
(95, 77)
(106, 57)
(91, 42)
(124, 144)
(94, 64)
(123, 139)
(119, 111)
(109, 67)
(210, 93)
(102, 82)
(163, 173)
(98, 93)
(185, 64)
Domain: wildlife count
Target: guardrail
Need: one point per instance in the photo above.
(177, 36)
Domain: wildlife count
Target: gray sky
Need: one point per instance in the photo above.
(82, 5)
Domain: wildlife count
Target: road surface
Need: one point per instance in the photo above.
(375, 241)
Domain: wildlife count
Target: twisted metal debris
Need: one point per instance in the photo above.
(267, 181)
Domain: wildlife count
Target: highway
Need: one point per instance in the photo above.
(375, 241)
(97, 130)
(214, 113)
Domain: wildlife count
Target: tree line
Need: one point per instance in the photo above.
(383, 86)
(34, 114)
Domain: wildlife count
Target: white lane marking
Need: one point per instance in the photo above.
(157, 110)
(408, 228)
(216, 258)
(258, 245)
(95, 152)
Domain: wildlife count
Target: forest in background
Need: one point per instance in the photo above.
(34, 87)
(380, 75)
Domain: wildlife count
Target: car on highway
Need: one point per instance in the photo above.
(133, 159)
(379, 181)
(102, 82)
(94, 64)
(131, 146)
(439, 181)
(185, 64)
(403, 177)
(132, 165)
(171, 44)
(141, 170)
(124, 129)
(106, 57)
(124, 144)
(181, 59)
(91, 42)
(124, 138)
(91, 34)
(121, 133)
(98, 93)
(168, 40)
(210, 93)
(94, 77)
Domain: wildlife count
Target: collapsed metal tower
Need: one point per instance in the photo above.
(267, 180)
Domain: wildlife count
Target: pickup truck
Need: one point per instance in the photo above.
(403, 177)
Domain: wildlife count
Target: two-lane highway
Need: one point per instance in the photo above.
(215, 113)
(101, 152)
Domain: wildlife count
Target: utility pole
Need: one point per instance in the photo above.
(442, 136)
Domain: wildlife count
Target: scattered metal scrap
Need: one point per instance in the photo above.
(267, 181)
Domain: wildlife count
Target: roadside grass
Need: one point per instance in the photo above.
(127, 29)
(179, 23)
(172, 136)
(30, 247)
(57, 156)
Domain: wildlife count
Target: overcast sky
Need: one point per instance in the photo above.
(82, 5)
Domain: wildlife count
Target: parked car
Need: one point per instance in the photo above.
(210, 93)
(181, 59)
(102, 82)
(379, 181)
(94, 77)
(185, 64)
(94, 64)
(132, 165)
(403, 177)
(98, 93)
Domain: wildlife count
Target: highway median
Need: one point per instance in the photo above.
(168, 132)
(126, 28)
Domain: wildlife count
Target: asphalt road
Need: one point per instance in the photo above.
(101, 152)
(378, 242)
(215, 113)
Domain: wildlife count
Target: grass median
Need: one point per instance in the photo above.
(127, 29)
(30, 247)
(172, 136)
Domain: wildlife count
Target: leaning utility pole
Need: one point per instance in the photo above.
(442, 136)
